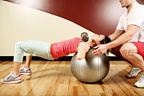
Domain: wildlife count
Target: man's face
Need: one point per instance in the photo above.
(125, 3)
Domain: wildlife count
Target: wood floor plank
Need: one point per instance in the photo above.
(54, 78)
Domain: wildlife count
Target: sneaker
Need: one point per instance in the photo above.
(140, 82)
(133, 73)
(24, 71)
(11, 79)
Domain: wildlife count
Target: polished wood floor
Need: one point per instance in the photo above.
(54, 78)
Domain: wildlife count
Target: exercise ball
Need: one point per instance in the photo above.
(91, 69)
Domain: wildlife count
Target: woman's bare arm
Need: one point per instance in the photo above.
(83, 48)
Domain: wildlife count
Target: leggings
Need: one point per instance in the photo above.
(32, 47)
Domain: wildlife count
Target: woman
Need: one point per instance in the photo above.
(50, 51)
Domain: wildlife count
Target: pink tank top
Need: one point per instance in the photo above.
(64, 48)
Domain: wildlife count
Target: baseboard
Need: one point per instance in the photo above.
(66, 58)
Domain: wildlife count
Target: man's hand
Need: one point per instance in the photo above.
(99, 50)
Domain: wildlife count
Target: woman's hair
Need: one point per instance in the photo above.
(105, 41)
(85, 38)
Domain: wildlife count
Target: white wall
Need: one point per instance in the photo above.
(19, 23)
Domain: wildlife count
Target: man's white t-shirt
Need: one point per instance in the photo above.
(136, 17)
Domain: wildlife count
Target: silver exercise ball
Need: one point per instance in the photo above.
(91, 69)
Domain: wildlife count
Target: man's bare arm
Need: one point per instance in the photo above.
(125, 37)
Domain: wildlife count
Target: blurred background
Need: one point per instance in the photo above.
(55, 20)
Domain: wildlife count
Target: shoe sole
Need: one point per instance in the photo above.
(25, 74)
(12, 82)
(139, 86)
(133, 76)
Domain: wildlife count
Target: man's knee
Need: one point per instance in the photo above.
(127, 50)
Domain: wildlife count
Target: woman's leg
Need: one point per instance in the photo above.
(25, 69)
(17, 65)
(31, 47)
(28, 61)
(37, 48)
(16, 68)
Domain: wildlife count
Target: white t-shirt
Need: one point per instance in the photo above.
(136, 17)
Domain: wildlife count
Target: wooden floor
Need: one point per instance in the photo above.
(54, 78)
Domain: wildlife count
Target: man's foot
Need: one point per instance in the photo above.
(133, 73)
(140, 82)
(25, 71)
(11, 79)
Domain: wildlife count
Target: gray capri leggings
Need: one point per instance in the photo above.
(32, 47)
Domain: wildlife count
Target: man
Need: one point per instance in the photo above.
(128, 39)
